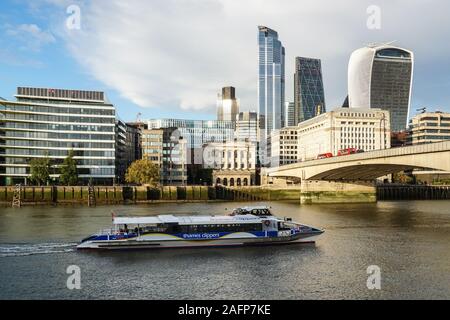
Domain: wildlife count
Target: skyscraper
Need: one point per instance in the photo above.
(271, 81)
(227, 105)
(289, 117)
(247, 126)
(380, 76)
(309, 96)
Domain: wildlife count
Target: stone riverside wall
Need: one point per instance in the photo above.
(121, 194)
(106, 195)
(309, 192)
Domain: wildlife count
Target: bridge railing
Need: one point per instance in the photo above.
(384, 153)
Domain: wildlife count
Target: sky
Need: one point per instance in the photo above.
(170, 58)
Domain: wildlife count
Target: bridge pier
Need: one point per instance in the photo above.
(315, 191)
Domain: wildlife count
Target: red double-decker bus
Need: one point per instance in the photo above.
(325, 155)
(346, 152)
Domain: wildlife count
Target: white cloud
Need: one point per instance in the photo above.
(30, 35)
(179, 53)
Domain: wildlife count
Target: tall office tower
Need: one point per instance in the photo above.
(247, 126)
(227, 105)
(50, 123)
(271, 81)
(380, 76)
(309, 96)
(289, 118)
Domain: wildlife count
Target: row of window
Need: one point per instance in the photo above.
(48, 109)
(80, 171)
(80, 162)
(52, 118)
(54, 135)
(56, 153)
(57, 144)
(57, 127)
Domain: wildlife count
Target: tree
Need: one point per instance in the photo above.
(69, 175)
(143, 172)
(40, 170)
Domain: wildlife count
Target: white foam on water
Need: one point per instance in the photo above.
(27, 249)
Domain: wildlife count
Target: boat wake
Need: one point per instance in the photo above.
(27, 249)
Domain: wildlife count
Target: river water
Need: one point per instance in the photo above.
(409, 241)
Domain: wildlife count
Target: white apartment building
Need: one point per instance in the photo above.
(429, 127)
(364, 129)
(284, 146)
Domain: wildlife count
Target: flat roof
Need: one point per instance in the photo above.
(187, 220)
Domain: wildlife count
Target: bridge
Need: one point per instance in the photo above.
(368, 166)
(351, 178)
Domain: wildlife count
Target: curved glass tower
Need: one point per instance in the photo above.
(380, 76)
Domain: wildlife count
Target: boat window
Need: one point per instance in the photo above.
(236, 227)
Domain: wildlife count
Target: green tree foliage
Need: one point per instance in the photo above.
(69, 175)
(143, 172)
(40, 170)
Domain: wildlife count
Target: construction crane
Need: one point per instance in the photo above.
(138, 117)
(422, 110)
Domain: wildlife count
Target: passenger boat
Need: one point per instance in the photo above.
(243, 227)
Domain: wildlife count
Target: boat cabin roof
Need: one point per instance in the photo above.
(187, 220)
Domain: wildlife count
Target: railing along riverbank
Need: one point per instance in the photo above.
(412, 192)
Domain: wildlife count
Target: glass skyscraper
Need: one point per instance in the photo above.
(271, 81)
(227, 105)
(309, 94)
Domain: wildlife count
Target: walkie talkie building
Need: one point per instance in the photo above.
(380, 76)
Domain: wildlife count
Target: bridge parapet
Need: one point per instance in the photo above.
(370, 165)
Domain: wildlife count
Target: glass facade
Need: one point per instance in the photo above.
(227, 105)
(308, 89)
(161, 147)
(380, 76)
(247, 126)
(197, 132)
(290, 119)
(391, 85)
(50, 123)
(271, 81)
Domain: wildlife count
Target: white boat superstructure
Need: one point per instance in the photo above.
(244, 226)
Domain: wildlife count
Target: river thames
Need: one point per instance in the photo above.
(408, 240)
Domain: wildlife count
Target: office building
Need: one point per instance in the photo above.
(164, 148)
(363, 129)
(284, 146)
(122, 151)
(309, 96)
(49, 123)
(289, 109)
(380, 76)
(233, 162)
(247, 126)
(271, 81)
(429, 127)
(196, 133)
(227, 105)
